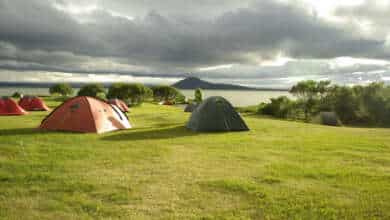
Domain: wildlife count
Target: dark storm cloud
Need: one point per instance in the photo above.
(199, 8)
(36, 25)
(168, 40)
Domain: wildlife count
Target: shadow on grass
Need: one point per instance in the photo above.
(20, 131)
(34, 131)
(155, 134)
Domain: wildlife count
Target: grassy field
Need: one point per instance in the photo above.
(160, 170)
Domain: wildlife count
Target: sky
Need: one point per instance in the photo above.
(259, 43)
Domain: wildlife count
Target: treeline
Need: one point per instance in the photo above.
(131, 93)
(368, 105)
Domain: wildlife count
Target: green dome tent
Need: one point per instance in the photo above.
(327, 118)
(216, 114)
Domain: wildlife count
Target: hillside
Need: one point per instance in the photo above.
(194, 83)
(160, 170)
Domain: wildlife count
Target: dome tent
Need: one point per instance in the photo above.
(86, 114)
(120, 104)
(216, 114)
(9, 107)
(327, 118)
(33, 103)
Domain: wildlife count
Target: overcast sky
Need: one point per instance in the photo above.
(267, 43)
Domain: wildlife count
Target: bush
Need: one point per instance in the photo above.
(310, 93)
(198, 95)
(344, 103)
(180, 98)
(93, 90)
(101, 95)
(16, 95)
(165, 93)
(280, 107)
(368, 105)
(375, 101)
(63, 89)
(133, 94)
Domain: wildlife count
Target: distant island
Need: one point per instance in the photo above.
(194, 83)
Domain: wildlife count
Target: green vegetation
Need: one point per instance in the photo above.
(309, 94)
(16, 95)
(133, 94)
(198, 95)
(63, 89)
(167, 93)
(160, 170)
(280, 107)
(93, 90)
(358, 105)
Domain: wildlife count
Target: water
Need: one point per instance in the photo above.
(237, 98)
(8, 91)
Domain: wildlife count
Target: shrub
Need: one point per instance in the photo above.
(309, 94)
(133, 94)
(93, 90)
(165, 93)
(279, 107)
(16, 95)
(180, 98)
(375, 102)
(198, 95)
(353, 105)
(63, 89)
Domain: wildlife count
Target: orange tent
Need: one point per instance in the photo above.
(10, 107)
(33, 103)
(86, 114)
(120, 104)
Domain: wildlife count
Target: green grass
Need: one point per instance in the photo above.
(160, 170)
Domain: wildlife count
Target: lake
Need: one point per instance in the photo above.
(237, 98)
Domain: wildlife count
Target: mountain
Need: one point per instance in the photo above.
(194, 83)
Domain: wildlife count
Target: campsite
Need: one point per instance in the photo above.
(159, 169)
(194, 110)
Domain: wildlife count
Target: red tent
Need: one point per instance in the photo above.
(86, 114)
(120, 104)
(33, 103)
(10, 107)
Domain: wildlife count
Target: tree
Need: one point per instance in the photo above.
(63, 89)
(133, 94)
(359, 104)
(165, 93)
(310, 94)
(344, 103)
(374, 101)
(323, 87)
(306, 92)
(93, 90)
(198, 95)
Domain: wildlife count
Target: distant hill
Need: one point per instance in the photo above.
(194, 83)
